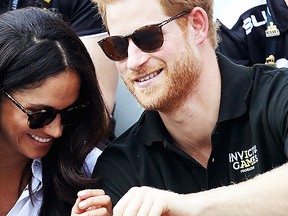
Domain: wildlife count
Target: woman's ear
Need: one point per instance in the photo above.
(199, 21)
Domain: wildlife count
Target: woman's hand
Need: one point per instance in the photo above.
(92, 202)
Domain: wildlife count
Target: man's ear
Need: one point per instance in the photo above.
(199, 21)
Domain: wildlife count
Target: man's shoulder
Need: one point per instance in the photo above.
(266, 69)
(270, 82)
(147, 130)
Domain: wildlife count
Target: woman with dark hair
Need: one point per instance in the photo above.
(82, 17)
(52, 115)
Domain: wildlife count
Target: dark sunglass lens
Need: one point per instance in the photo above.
(148, 38)
(74, 115)
(115, 48)
(40, 119)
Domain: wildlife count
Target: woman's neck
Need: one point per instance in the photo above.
(13, 180)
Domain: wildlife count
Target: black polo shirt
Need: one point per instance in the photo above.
(249, 138)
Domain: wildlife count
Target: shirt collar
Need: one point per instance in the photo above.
(153, 130)
(236, 81)
(24, 205)
(37, 174)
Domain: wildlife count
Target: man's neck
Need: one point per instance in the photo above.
(192, 124)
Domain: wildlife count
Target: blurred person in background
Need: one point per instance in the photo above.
(255, 31)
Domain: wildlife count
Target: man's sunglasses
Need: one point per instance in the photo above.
(44, 117)
(148, 39)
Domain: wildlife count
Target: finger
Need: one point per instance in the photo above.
(90, 192)
(134, 205)
(152, 205)
(163, 202)
(96, 202)
(94, 212)
(97, 212)
(156, 210)
(122, 204)
(145, 208)
(75, 209)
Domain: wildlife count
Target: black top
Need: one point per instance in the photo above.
(242, 32)
(81, 14)
(250, 138)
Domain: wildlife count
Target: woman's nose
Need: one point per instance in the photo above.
(55, 128)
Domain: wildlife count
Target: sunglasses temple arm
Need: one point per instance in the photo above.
(17, 103)
(173, 18)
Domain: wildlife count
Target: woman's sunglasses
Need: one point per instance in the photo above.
(148, 39)
(44, 117)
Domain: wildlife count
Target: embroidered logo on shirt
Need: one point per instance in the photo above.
(245, 160)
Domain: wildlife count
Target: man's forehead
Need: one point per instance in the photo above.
(126, 15)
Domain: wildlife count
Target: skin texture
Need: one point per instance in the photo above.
(173, 80)
(16, 135)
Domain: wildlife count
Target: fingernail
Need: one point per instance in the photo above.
(82, 205)
(81, 193)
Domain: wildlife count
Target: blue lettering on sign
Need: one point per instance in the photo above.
(251, 22)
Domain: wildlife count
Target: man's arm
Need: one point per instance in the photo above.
(83, 18)
(106, 70)
(265, 195)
